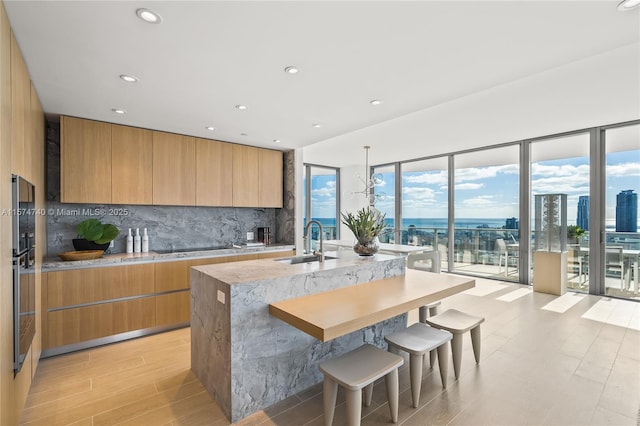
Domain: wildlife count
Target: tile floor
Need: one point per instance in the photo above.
(546, 360)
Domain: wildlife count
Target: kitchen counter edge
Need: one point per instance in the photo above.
(118, 259)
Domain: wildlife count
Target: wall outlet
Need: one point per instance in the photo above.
(249, 236)
(221, 297)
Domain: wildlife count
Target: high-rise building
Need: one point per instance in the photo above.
(511, 223)
(627, 211)
(583, 212)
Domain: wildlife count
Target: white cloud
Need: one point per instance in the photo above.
(482, 201)
(429, 178)
(464, 186)
(624, 170)
(477, 173)
(562, 170)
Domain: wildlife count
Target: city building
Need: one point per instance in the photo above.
(627, 211)
(511, 223)
(583, 212)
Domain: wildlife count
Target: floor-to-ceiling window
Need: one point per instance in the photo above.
(486, 210)
(425, 204)
(322, 185)
(622, 185)
(383, 182)
(561, 166)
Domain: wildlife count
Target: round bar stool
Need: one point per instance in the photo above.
(357, 370)
(417, 340)
(458, 323)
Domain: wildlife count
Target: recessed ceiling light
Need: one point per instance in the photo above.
(129, 78)
(291, 70)
(210, 128)
(148, 16)
(375, 102)
(243, 107)
(276, 140)
(628, 4)
(317, 126)
(119, 111)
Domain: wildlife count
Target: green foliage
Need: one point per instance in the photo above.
(574, 231)
(96, 231)
(365, 224)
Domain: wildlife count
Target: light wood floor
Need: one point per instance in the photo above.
(571, 360)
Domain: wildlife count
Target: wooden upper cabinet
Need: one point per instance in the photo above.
(132, 165)
(245, 176)
(20, 110)
(270, 178)
(85, 161)
(214, 173)
(174, 169)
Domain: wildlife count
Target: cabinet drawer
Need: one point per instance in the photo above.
(76, 325)
(173, 308)
(78, 286)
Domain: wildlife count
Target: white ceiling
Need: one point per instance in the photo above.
(430, 62)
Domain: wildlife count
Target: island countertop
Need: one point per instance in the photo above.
(265, 269)
(335, 313)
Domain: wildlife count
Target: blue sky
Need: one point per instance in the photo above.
(492, 192)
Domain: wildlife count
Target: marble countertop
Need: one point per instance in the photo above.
(56, 264)
(250, 271)
(384, 247)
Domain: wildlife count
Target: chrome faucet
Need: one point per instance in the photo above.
(320, 253)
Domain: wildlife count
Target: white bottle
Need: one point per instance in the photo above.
(145, 241)
(129, 242)
(136, 241)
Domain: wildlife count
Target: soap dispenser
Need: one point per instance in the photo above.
(129, 242)
(136, 241)
(145, 241)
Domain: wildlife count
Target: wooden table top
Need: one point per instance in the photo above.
(335, 313)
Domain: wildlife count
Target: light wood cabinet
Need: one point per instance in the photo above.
(132, 165)
(112, 164)
(82, 286)
(174, 169)
(270, 178)
(172, 309)
(214, 173)
(245, 176)
(69, 326)
(20, 109)
(85, 161)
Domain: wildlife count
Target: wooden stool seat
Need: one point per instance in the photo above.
(357, 370)
(417, 340)
(458, 323)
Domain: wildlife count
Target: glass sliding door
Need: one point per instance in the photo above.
(425, 205)
(560, 165)
(486, 210)
(321, 201)
(384, 191)
(622, 240)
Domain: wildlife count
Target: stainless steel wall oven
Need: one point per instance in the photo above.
(24, 297)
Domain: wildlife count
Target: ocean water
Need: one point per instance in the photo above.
(496, 223)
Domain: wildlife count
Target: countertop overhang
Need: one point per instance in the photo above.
(335, 313)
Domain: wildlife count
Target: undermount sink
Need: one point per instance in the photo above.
(307, 258)
(185, 250)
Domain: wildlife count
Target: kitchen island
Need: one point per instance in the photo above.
(248, 359)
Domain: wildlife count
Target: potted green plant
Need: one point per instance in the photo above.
(366, 224)
(574, 233)
(94, 235)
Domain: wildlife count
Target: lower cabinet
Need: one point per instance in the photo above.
(93, 306)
